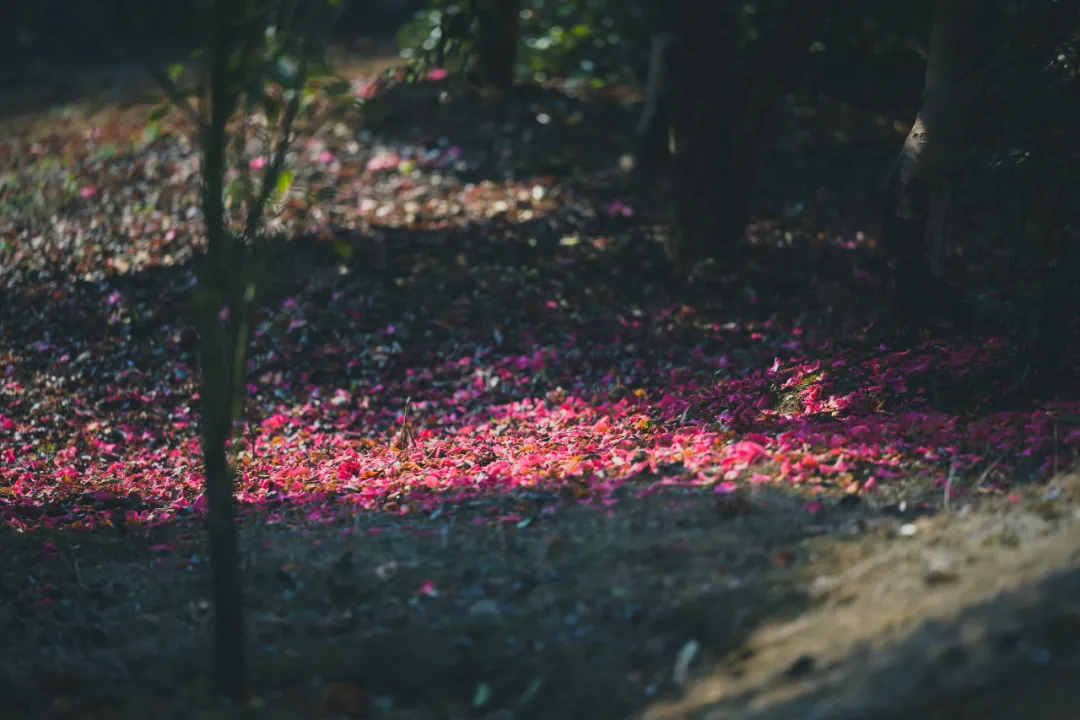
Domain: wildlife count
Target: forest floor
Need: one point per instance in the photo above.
(496, 464)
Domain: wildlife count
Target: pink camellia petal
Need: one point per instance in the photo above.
(747, 452)
(384, 161)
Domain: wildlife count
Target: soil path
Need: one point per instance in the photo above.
(969, 616)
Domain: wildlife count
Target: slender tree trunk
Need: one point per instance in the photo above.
(921, 184)
(490, 65)
(229, 671)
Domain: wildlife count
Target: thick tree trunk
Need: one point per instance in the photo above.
(1046, 296)
(490, 65)
(706, 107)
(1045, 264)
(654, 126)
(921, 184)
(687, 130)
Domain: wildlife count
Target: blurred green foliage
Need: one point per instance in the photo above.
(579, 40)
(867, 50)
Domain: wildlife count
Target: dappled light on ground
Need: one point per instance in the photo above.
(586, 411)
(430, 341)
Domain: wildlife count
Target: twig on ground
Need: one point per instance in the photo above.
(949, 483)
(406, 437)
(986, 473)
(1055, 472)
(78, 572)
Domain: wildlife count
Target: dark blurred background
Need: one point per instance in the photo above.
(872, 53)
(65, 30)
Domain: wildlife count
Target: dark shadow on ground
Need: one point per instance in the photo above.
(1011, 649)
(578, 615)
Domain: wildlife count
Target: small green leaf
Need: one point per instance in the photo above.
(157, 113)
(284, 182)
(482, 696)
(343, 250)
(151, 133)
(174, 71)
(530, 693)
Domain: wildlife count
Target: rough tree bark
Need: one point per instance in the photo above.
(494, 34)
(915, 227)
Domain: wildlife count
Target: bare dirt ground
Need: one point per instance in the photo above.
(849, 613)
(679, 606)
(973, 615)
